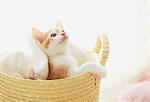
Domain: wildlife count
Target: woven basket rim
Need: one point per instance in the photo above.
(31, 80)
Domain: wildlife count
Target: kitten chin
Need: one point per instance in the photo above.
(57, 49)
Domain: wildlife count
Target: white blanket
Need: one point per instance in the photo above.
(35, 66)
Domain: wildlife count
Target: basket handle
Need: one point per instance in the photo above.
(102, 48)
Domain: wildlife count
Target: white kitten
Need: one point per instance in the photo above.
(55, 44)
(62, 64)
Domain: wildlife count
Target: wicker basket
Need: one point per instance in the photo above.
(83, 88)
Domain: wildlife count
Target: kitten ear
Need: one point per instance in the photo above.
(38, 35)
(59, 25)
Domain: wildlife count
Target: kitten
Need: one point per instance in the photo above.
(61, 63)
(55, 45)
(30, 67)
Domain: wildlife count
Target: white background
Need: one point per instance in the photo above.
(126, 22)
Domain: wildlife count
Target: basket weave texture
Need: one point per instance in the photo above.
(83, 88)
(77, 89)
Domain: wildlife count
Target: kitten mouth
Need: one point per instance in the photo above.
(64, 39)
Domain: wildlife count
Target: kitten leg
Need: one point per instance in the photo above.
(92, 67)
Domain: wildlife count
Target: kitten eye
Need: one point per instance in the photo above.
(53, 34)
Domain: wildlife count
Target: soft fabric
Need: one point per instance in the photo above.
(82, 55)
(35, 66)
(139, 92)
(145, 76)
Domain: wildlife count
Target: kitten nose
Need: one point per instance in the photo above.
(65, 36)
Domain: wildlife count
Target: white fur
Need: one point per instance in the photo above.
(92, 67)
(82, 55)
(67, 60)
(69, 55)
(88, 61)
(57, 45)
(28, 67)
(74, 69)
(58, 52)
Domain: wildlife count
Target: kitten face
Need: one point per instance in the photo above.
(57, 36)
(55, 41)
